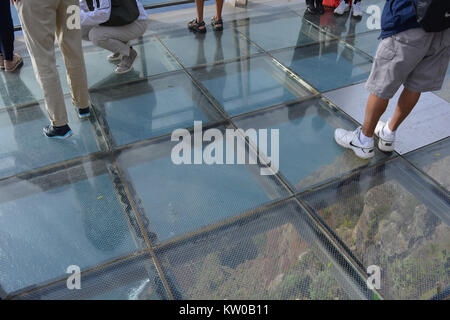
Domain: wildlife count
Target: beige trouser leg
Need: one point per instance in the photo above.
(42, 20)
(115, 39)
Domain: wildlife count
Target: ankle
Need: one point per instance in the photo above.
(388, 128)
(365, 140)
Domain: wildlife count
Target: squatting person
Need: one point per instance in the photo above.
(111, 25)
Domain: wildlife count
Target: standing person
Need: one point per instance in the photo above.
(344, 6)
(41, 21)
(9, 61)
(111, 25)
(198, 25)
(406, 55)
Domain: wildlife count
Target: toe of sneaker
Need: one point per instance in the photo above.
(340, 133)
(342, 138)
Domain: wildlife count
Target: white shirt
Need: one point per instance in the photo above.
(102, 13)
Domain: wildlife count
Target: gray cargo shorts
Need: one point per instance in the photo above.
(414, 58)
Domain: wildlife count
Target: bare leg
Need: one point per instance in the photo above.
(219, 6)
(374, 109)
(199, 4)
(407, 101)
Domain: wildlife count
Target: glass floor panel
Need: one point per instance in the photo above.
(279, 31)
(326, 66)
(82, 223)
(308, 153)
(101, 198)
(249, 84)
(207, 48)
(434, 160)
(345, 25)
(131, 279)
(272, 254)
(152, 107)
(393, 217)
(21, 88)
(179, 199)
(24, 147)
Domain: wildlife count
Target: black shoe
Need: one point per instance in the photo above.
(62, 132)
(310, 7)
(319, 7)
(84, 113)
(197, 26)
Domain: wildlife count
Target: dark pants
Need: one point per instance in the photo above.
(6, 30)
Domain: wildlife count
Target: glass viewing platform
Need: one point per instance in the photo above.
(111, 201)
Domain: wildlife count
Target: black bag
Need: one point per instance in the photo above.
(123, 12)
(433, 15)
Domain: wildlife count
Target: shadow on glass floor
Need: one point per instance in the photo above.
(274, 253)
(86, 221)
(249, 84)
(181, 198)
(308, 153)
(393, 217)
(151, 108)
(131, 279)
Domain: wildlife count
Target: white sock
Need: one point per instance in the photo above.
(363, 139)
(386, 130)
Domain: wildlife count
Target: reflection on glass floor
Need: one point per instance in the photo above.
(111, 201)
(327, 65)
(307, 154)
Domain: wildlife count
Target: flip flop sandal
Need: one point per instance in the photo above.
(217, 24)
(197, 27)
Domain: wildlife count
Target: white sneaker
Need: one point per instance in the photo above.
(350, 140)
(342, 8)
(356, 10)
(386, 141)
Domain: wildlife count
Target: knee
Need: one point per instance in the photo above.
(96, 37)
